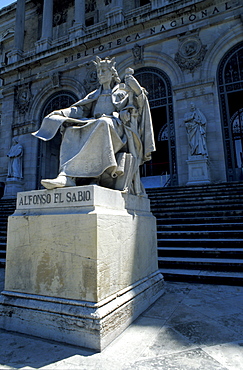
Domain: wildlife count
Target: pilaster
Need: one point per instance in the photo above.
(46, 36)
(16, 53)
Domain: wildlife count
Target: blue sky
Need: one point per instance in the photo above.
(4, 3)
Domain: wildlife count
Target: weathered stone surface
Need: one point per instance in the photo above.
(86, 263)
(87, 252)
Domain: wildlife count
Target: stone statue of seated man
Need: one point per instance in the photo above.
(106, 136)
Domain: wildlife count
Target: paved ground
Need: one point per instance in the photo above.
(192, 326)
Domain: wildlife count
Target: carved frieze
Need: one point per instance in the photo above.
(191, 51)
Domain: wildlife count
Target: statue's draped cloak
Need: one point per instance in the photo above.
(15, 161)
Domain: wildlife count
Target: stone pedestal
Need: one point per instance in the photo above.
(43, 44)
(81, 264)
(77, 30)
(198, 170)
(12, 187)
(15, 55)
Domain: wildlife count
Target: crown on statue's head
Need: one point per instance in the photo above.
(109, 62)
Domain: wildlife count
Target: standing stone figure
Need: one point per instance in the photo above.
(15, 155)
(195, 123)
(106, 136)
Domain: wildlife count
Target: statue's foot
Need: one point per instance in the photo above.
(60, 182)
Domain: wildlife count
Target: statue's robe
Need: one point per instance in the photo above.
(90, 145)
(15, 161)
(196, 132)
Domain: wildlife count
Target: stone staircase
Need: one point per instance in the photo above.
(200, 232)
(7, 208)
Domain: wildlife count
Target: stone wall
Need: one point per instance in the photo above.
(185, 40)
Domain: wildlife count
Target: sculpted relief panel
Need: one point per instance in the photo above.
(191, 52)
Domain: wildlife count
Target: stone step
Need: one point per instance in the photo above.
(200, 242)
(219, 264)
(200, 232)
(194, 192)
(7, 208)
(209, 234)
(207, 219)
(196, 213)
(207, 252)
(4, 216)
(203, 276)
(2, 262)
(198, 208)
(216, 198)
(161, 226)
(207, 188)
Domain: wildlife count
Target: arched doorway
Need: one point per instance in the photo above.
(230, 85)
(162, 167)
(48, 152)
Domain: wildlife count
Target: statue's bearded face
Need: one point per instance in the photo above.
(104, 74)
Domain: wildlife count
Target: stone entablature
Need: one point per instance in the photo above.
(163, 20)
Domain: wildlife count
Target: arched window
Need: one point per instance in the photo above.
(237, 131)
(48, 152)
(158, 85)
(230, 85)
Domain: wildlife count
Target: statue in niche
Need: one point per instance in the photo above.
(195, 122)
(106, 136)
(15, 155)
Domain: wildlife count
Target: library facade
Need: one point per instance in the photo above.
(187, 54)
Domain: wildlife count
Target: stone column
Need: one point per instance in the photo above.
(19, 25)
(78, 28)
(47, 20)
(79, 12)
(16, 53)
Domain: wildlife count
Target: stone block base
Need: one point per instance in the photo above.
(12, 187)
(81, 264)
(81, 323)
(198, 170)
